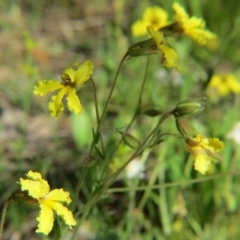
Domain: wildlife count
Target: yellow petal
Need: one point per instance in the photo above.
(36, 189)
(56, 105)
(233, 84)
(139, 28)
(202, 163)
(215, 144)
(61, 211)
(59, 195)
(157, 36)
(43, 87)
(169, 57)
(155, 16)
(45, 219)
(181, 16)
(224, 84)
(215, 81)
(74, 104)
(34, 175)
(193, 27)
(83, 73)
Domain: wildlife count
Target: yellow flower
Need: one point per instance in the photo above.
(154, 16)
(72, 79)
(224, 84)
(193, 26)
(204, 150)
(49, 201)
(169, 56)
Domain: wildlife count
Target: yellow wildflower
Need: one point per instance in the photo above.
(169, 56)
(72, 78)
(154, 16)
(49, 201)
(204, 150)
(193, 26)
(224, 84)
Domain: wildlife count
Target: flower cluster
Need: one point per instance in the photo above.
(191, 26)
(154, 22)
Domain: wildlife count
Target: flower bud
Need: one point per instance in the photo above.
(23, 197)
(184, 127)
(142, 48)
(189, 107)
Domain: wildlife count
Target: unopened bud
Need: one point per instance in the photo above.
(142, 48)
(23, 197)
(189, 107)
(184, 127)
(130, 140)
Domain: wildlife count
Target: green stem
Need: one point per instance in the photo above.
(80, 181)
(111, 91)
(140, 149)
(5, 206)
(133, 117)
(95, 99)
(162, 200)
(173, 184)
(143, 83)
(111, 178)
(97, 113)
(107, 102)
(138, 106)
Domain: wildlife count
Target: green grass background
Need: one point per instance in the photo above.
(38, 40)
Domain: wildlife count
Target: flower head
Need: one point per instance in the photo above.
(204, 151)
(192, 26)
(154, 45)
(154, 16)
(224, 84)
(189, 107)
(49, 201)
(169, 56)
(72, 79)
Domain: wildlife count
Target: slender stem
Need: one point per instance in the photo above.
(133, 117)
(173, 184)
(78, 187)
(139, 104)
(5, 206)
(144, 81)
(111, 91)
(95, 198)
(97, 113)
(140, 148)
(80, 181)
(107, 102)
(95, 99)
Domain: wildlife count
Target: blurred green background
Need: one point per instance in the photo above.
(39, 39)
